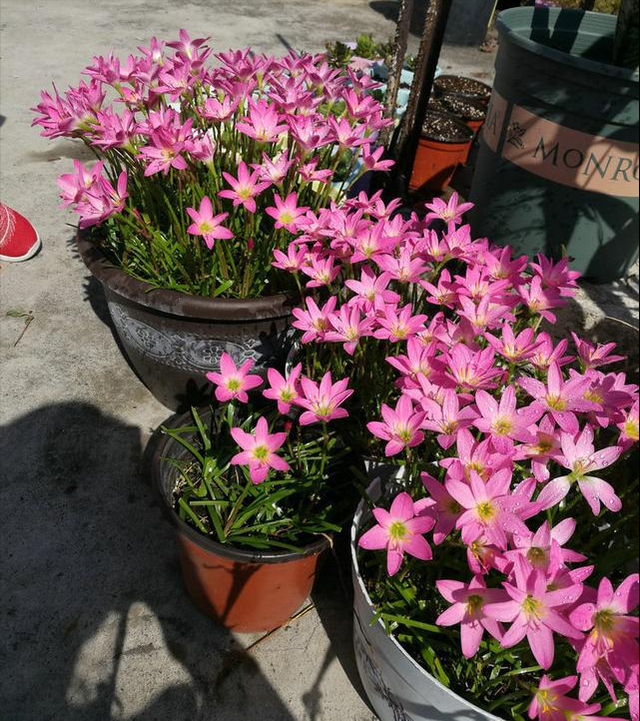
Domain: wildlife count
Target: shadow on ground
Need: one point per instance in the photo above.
(96, 623)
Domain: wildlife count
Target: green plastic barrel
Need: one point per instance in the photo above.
(557, 168)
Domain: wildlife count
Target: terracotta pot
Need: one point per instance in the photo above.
(471, 111)
(244, 591)
(436, 160)
(172, 339)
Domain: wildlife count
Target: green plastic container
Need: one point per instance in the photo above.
(557, 169)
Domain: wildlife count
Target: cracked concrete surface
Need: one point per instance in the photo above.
(95, 623)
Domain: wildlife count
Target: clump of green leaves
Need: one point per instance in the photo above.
(339, 54)
(287, 511)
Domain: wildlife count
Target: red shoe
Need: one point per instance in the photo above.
(19, 240)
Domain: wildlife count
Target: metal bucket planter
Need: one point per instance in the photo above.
(397, 687)
(172, 339)
(557, 169)
(245, 591)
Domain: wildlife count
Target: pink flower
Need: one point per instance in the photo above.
(420, 359)
(447, 419)
(532, 612)
(450, 212)
(165, 149)
(503, 422)
(292, 261)
(286, 212)
(447, 509)
(73, 186)
(322, 402)
(630, 426)
(262, 122)
(322, 271)
(442, 294)
(500, 266)
(403, 267)
(580, 457)
(372, 289)
(475, 456)
(544, 448)
(401, 427)
(550, 701)
(593, 356)
(371, 159)
(585, 712)
(219, 109)
(612, 629)
(310, 173)
(472, 369)
(536, 547)
(514, 348)
(546, 353)
(208, 225)
(477, 284)
(482, 315)
(556, 275)
(467, 609)
(274, 170)
(399, 531)
(491, 511)
(186, 45)
(539, 300)
(284, 390)
(397, 326)
(561, 398)
(244, 189)
(348, 327)
(314, 321)
(258, 450)
(233, 382)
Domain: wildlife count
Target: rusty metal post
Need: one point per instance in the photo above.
(405, 13)
(427, 62)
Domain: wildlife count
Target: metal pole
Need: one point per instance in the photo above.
(427, 62)
(403, 25)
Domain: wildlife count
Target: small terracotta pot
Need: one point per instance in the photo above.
(471, 111)
(436, 160)
(245, 591)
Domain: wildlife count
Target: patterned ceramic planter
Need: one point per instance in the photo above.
(172, 339)
(398, 688)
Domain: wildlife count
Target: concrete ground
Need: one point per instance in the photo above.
(95, 623)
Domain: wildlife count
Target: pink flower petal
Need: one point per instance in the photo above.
(452, 615)
(374, 539)
(596, 490)
(470, 638)
(553, 492)
(542, 647)
(394, 561)
(402, 507)
(418, 547)
(625, 599)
